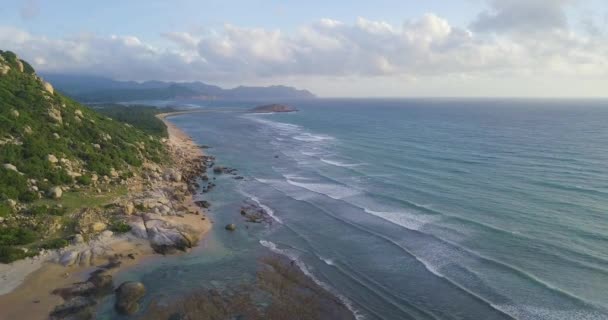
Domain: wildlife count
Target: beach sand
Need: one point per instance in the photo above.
(26, 286)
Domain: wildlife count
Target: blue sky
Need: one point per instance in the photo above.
(147, 19)
(335, 48)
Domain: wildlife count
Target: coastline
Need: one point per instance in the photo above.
(26, 285)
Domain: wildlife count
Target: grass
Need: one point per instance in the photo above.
(75, 200)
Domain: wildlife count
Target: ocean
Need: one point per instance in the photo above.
(412, 208)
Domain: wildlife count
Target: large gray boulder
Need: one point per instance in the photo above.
(68, 258)
(127, 297)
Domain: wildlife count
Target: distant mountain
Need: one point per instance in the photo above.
(99, 89)
(273, 108)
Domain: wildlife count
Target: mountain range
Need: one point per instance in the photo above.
(99, 89)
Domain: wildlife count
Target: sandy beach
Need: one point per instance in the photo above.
(26, 286)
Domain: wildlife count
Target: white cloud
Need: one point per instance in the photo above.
(528, 16)
(425, 47)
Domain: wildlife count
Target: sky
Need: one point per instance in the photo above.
(381, 48)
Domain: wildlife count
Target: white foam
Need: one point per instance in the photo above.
(526, 312)
(340, 164)
(334, 191)
(294, 257)
(269, 211)
(327, 261)
(310, 154)
(404, 219)
(309, 137)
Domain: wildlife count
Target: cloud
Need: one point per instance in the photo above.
(428, 46)
(522, 16)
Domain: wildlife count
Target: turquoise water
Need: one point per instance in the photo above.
(415, 209)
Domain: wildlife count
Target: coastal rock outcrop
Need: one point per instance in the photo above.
(74, 308)
(128, 295)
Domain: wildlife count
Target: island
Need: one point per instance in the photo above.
(271, 108)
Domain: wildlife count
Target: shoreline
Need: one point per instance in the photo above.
(26, 285)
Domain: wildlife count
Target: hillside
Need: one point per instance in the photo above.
(51, 146)
(99, 89)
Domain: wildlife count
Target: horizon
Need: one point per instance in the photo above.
(394, 49)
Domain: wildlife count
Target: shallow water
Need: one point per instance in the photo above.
(414, 209)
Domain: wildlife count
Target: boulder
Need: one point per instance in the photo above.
(73, 308)
(202, 203)
(68, 258)
(85, 258)
(48, 87)
(78, 113)
(55, 192)
(128, 295)
(51, 158)
(138, 229)
(78, 239)
(11, 203)
(97, 227)
(4, 69)
(9, 166)
(176, 176)
(19, 65)
(15, 113)
(56, 136)
(128, 209)
(55, 115)
(107, 234)
(231, 227)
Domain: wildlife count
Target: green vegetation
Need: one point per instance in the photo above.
(49, 140)
(142, 117)
(10, 254)
(120, 227)
(35, 123)
(47, 210)
(56, 243)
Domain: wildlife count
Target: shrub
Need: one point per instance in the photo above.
(120, 227)
(10, 254)
(84, 180)
(46, 210)
(5, 210)
(15, 236)
(54, 244)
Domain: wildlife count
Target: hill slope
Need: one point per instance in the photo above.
(51, 146)
(99, 89)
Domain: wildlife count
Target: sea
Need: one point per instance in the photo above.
(410, 208)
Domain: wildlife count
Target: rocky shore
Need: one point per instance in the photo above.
(160, 217)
